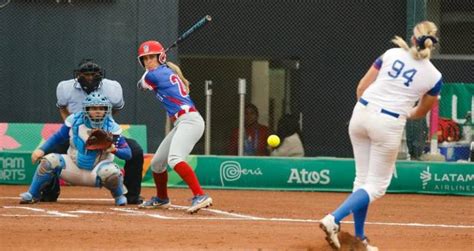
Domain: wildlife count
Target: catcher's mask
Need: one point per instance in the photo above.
(151, 48)
(89, 75)
(96, 99)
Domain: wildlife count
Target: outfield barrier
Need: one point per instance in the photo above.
(287, 174)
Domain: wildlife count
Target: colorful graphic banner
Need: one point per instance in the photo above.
(27, 137)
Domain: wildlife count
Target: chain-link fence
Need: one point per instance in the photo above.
(302, 58)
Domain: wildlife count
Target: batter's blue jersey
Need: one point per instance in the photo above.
(169, 89)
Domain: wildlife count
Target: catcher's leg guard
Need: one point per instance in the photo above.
(109, 176)
(49, 167)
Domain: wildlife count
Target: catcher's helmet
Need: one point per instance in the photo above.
(96, 99)
(150, 48)
(88, 67)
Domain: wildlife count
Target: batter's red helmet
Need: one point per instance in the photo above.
(150, 48)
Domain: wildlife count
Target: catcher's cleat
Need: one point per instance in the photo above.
(199, 201)
(155, 203)
(120, 200)
(27, 198)
(368, 246)
(329, 226)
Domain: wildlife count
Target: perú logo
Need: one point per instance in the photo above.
(425, 177)
(232, 171)
(313, 177)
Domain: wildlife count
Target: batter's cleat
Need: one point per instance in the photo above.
(155, 203)
(368, 246)
(199, 201)
(120, 200)
(27, 198)
(329, 226)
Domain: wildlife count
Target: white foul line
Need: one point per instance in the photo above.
(53, 212)
(242, 217)
(252, 218)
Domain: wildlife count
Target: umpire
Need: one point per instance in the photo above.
(70, 93)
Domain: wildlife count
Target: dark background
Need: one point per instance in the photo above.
(334, 41)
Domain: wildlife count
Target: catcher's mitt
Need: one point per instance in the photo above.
(99, 140)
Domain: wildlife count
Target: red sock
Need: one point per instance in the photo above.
(188, 175)
(161, 183)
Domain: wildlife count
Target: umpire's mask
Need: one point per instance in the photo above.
(89, 75)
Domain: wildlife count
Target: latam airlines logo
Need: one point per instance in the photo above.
(447, 181)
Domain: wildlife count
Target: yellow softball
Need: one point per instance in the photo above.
(273, 140)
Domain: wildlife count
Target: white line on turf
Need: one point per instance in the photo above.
(242, 217)
(50, 212)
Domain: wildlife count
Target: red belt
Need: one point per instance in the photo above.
(181, 112)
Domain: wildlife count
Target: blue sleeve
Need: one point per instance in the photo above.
(378, 63)
(436, 89)
(123, 150)
(151, 80)
(61, 136)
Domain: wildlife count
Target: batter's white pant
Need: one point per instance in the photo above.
(376, 138)
(79, 177)
(179, 142)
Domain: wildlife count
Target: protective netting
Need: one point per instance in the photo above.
(302, 57)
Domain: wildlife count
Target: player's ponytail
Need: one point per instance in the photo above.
(400, 42)
(423, 40)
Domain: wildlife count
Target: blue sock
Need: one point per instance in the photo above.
(359, 221)
(357, 200)
(38, 183)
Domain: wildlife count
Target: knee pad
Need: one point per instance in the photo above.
(51, 163)
(109, 175)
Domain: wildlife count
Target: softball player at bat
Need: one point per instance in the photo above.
(386, 96)
(171, 89)
(81, 166)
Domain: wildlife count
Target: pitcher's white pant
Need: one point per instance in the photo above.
(376, 138)
(79, 177)
(179, 142)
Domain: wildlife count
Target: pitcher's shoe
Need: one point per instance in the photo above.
(27, 198)
(329, 226)
(155, 202)
(121, 200)
(368, 246)
(198, 202)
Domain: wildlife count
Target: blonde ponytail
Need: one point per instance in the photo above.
(424, 38)
(400, 42)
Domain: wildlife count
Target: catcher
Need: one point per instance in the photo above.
(94, 139)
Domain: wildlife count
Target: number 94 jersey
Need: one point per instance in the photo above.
(168, 88)
(402, 80)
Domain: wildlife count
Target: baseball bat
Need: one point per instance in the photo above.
(199, 24)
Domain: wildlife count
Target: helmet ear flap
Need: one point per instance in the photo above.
(162, 58)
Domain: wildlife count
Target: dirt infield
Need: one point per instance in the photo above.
(239, 220)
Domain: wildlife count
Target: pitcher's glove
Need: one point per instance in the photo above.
(99, 140)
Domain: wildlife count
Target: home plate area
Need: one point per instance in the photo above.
(174, 212)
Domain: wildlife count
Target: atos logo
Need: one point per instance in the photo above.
(309, 177)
